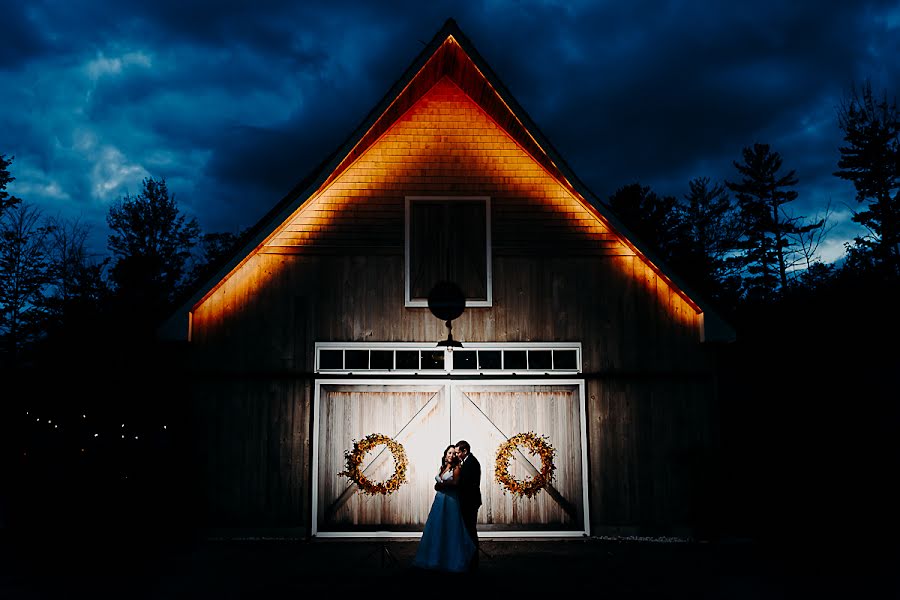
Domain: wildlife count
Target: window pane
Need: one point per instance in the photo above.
(565, 359)
(448, 242)
(432, 359)
(465, 359)
(540, 359)
(331, 359)
(382, 360)
(408, 359)
(466, 252)
(356, 359)
(489, 359)
(427, 247)
(515, 359)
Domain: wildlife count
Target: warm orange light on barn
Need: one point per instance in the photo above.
(446, 145)
(439, 141)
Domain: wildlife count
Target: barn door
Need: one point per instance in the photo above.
(425, 417)
(416, 416)
(487, 415)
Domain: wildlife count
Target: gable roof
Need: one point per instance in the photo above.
(449, 54)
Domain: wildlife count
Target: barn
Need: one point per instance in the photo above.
(442, 276)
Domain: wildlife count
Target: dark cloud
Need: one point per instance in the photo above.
(21, 35)
(682, 92)
(235, 102)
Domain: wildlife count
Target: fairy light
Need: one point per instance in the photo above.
(94, 435)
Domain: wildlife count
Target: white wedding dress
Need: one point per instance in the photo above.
(445, 543)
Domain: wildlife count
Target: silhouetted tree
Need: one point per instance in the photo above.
(809, 239)
(767, 244)
(77, 291)
(151, 244)
(5, 179)
(871, 160)
(816, 275)
(712, 231)
(655, 220)
(23, 277)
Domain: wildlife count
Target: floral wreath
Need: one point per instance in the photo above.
(353, 459)
(536, 445)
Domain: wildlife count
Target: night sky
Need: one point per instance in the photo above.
(234, 103)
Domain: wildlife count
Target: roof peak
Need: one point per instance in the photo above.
(450, 28)
(450, 23)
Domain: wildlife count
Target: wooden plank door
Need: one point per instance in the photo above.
(416, 416)
(488, 415)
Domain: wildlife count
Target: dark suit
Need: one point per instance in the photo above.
(470, 498)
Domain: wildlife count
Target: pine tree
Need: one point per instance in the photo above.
(6, 201)
(768, 231)
(712, 230)
(655, 220)
(871, 160)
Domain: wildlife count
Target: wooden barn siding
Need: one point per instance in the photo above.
(646, 412)
(446, 145)
(335, 273)
(624, 324)
(254, 434)
(650, 442)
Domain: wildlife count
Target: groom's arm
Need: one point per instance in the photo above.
(465, 475)
(474, 472)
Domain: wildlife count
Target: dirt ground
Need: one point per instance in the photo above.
(199, 567)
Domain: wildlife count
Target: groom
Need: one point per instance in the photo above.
(469, 492)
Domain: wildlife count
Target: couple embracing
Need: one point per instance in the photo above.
(450, 540)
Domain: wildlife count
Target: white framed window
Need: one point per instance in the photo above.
(448, 238)
(498, 358)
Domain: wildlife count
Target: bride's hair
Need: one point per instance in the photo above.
(444, 457)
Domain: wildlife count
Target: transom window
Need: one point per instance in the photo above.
(473, 358)
(448, 239)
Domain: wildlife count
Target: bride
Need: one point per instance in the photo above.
(445, 543)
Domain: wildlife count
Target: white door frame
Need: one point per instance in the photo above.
(449, 386)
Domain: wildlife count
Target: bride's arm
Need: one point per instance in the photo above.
(441, 485)
(455, 480)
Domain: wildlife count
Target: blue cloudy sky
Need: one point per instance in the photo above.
(234, 102)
